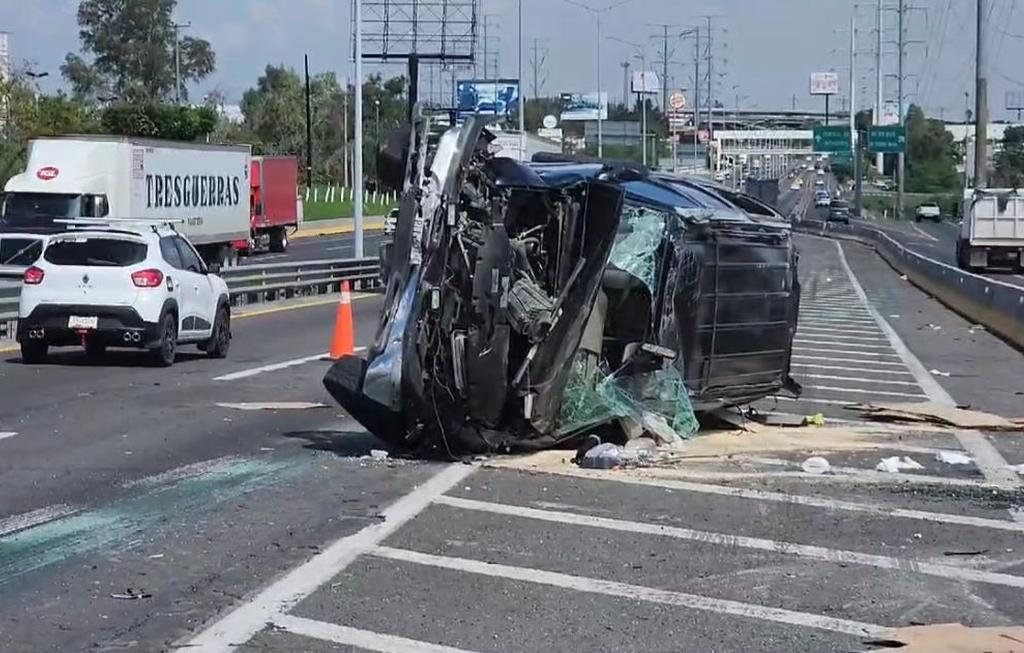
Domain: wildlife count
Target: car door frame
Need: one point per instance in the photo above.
(199, 310)
(177, 281)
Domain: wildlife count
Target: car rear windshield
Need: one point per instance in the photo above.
(100, 252)
(840, 205)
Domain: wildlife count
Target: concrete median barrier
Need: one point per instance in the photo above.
(994, 304)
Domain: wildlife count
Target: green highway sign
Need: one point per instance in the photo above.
(887, 139)
(841, 157)
(832, 138)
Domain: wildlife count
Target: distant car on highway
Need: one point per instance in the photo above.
(821, 198)
(796, 185)
(839, 211)
(928, 211)
(122, 283)
(819, 182)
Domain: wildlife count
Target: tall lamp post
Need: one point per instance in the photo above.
(177, 59)
(376, 149)
(596, 13)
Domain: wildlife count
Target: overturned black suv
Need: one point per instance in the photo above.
(530, 304)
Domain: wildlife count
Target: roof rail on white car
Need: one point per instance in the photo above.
(120, 222)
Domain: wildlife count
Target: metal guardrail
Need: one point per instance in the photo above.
(253, 284)
(997, 305)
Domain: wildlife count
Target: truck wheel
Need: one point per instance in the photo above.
(279, 240)
(220, 340)
(33, 352)
(167, 349)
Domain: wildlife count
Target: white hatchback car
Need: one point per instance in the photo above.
(122, 284)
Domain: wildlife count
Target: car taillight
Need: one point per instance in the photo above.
(34, 276)
(148, 278)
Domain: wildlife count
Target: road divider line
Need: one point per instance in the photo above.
(842, 343)
(838, 338)
(848, 360)
(730, 541)
(801, 327)
(857, 379)
(274, 367)
(852, 369)
(299, 306)
(797, 499)
(357, 638)
(634, 592)
(24, 521)
(866, 355)
(925, 234)
(240, 624)
(993, 466)
(875, 476)
(7, 434)
(860, 391)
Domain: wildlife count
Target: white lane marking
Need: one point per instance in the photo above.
(865, 355)
(238, 626)
(859, 391)
(866, 332)
(843, 343)
(7, 434)
(362, 639)
(25, 520)
(847, 360)
(857, 379)
(243, 374)
(851, 369)
(839, 339)
(988, 459)
(800, 499)
(828, 321)
(925, 234)
(731, 541)
(635, 592)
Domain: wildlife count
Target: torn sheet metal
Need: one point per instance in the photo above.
(529, 304)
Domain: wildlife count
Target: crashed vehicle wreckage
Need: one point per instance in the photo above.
(530, 304)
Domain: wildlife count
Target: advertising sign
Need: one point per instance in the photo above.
(824, 83)
(584, 106)
(487, 97)
(646, 81)
(890, 114)
(677, 101)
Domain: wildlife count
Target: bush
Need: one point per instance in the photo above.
(160, 121)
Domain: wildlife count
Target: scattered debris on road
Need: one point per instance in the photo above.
(953, 638)
(531, 305)
(896, 464)
(816, 465)
(131, 595)
(935, 413)
(953, 458)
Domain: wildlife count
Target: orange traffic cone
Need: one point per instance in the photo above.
(343, 342)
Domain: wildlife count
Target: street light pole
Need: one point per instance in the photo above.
(600, 118)
(376, 148)
(522, 97)
(357, 173)
(177, 60)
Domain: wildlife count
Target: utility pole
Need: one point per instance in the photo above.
(540, 57)
(980, 102)
(177, 60)
(902, 157)
(309, 129)
(855, 145)
(711, 54)
(879, 80)
(344, 136)
(696, 96)
(626, 84)
(664, 68)
(522, 99)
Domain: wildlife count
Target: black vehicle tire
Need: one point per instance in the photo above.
(279, 240)
(94, 349)
(34, 352)
(220, 340)
(917, 218)
(167, 349)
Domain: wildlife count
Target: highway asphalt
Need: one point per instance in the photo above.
(318, 248)
(141, 512)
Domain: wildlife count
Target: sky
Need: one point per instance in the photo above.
(764, 50)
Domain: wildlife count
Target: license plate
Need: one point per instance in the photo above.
(78, 322)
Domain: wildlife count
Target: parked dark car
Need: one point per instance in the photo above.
(839, 211)
(543, 302)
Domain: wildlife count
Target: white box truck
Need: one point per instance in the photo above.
(206, 186)
(992, 230)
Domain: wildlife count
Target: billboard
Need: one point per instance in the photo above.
(824, 83)
(584, 106)
(487, 97)
(890, 114)
(646, 81)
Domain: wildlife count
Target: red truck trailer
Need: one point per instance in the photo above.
(273, 202)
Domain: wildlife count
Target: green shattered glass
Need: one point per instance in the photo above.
(636, 250)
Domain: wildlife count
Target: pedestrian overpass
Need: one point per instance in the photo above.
(767, 152)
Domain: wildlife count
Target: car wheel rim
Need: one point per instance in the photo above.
(169, 342)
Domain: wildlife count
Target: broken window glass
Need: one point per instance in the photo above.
(636, 246)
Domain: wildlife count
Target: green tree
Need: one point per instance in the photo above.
(931, 155)
(132, 47)
(160, 121)
(1009, 161)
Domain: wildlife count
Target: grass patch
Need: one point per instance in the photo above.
(331, 210)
